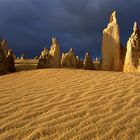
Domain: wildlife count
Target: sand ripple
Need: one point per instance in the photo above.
(63, 104)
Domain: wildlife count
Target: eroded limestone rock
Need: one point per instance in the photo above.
(132, 59)
(111, 46)
(88, 63)
(11, 61)
(79, 63)
(69, 59)
(44, 59)
(3, 61)
(7, 61)
(55, 54)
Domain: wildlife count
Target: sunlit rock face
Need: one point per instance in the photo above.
(132, 59)
(55, 54)
(111, 46)
(88, 63)
(44, 59)
(69, 59)
(7, 58)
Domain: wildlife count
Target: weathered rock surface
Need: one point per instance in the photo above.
(7, 61)
(88, 63)
(111, 46)
(55, 54)
(4, 45)
(11, 61)
(69, 59)
(132, 59)
(44, 59)
(3, 61)
(79, 63)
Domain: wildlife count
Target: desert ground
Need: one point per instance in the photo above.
(69, 104)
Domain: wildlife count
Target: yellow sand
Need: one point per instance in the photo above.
(68, 104)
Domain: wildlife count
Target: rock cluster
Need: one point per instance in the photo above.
(88, 63)
(7, 59)
(132, 59)
(111, 46)
(44, 59)
(115, 57)
(50, 59)
(69, 59)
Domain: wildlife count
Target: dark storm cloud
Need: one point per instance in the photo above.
(29, 24)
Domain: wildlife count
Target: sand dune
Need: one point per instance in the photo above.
(63, 104)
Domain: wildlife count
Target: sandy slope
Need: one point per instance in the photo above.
(65, 104)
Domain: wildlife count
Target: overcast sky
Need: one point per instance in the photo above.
(28, 25)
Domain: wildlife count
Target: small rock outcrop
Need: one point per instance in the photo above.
(79, 63)
(44, 59)
(3, 61)
(22, 57)
(132, 59)
(11, 61)
(88, 63)
(4, 44)
(36, 58)
(111, 46)
(55, 54)
(69, 59)
(7, 60)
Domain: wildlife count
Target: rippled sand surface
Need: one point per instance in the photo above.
(69, 104)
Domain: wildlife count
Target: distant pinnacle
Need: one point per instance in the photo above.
(135, 28)
(113, 17)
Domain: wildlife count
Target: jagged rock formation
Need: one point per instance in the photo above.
(11, 61)
(88, 63)
(50, 59)
(132, 59)
(44, 59)
(7, 61)
(69, 59)
(55, 53)
(111, 46)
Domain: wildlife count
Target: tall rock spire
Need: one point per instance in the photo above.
(55, 53)
(111, 46)
(132, 59)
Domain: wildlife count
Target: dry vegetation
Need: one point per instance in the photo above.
(63, 104)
